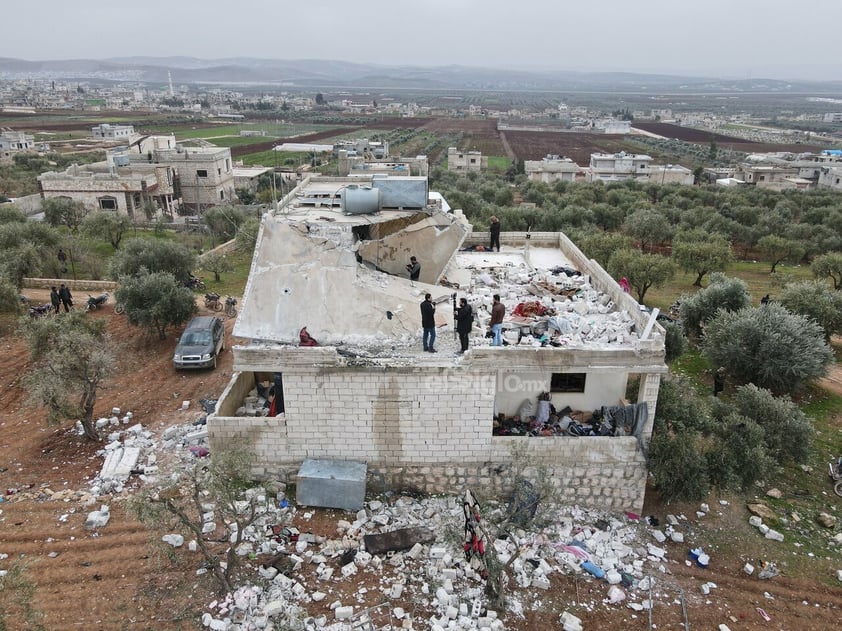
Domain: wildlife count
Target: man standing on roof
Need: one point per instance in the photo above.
(428, 323)
(498, 311)
(494, 229)
(464, 323)
(414, 268)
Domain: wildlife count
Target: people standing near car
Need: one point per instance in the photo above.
(464, 323)
(66, 297)
(55, 299)
(428, 323)
(494, 229)
(498, 311)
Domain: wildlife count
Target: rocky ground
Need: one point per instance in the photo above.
(122, 576)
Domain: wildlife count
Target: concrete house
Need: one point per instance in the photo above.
(551, 169)
(466, 160)
(12, 142)
(612, 167)
(153, 169)
(332, 258)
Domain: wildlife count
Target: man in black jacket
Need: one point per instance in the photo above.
(66, 297)
(428, 323)
(494, 229)
(464, 323)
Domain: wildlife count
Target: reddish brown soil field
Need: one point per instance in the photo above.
(535, 145)
(689, 134)
(266, 146)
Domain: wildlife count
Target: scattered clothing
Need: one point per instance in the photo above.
(305, 339)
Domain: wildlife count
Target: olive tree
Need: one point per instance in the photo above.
(156, 301)
(106, 225)
(702, 256)
(729, 294)
(601, 245)
(777, 249)
(641, 270)
(767, 346)
(648, 227)
(223, 221)
(829, 266)
(27, 249)
(71, 358)
(63, 211)
(152, 255)
(247, 235)
(217, 263)
(815, 300)
(788, 433)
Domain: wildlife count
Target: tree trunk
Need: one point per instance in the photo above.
(698, 282)
(88, 400)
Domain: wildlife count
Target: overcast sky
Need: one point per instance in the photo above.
(752, 38)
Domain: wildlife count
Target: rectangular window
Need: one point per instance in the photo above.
(201, 173)
(221, 194)
(108, 203)
(567, 382)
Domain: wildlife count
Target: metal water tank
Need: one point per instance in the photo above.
(360, 200)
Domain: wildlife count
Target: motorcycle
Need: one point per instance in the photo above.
(41, 310)
(213, 302)
(194, 283)
(230, 306)
(835, 471)
(95, 302)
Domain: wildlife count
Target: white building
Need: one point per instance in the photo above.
(106, 131)
(12, 142)
(612, 167)
(552, 168)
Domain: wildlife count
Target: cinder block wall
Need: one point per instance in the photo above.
(428, 431)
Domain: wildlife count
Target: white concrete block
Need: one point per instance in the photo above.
(755, 521)
(175, 540)
(344, 613)
(774, 535)
(349, 570)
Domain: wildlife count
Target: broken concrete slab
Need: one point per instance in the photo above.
(397, 540)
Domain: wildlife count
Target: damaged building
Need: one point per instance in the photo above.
(332, 258)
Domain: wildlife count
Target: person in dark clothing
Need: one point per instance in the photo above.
(428, 323)
(464, 323)
(495, 233)
(66, 297)
(764, 300)
(414, 268)
(62, 259)
(55, 299)
(718, 381)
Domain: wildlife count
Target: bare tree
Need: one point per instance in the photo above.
(224, 483)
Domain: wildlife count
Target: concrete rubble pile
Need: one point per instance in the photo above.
(571, 307)
(132, 450)
(433, 586)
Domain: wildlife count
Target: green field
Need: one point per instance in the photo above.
(498, 163)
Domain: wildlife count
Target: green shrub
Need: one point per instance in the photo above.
(678, 466)
(674, 341)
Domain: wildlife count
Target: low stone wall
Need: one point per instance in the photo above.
(75, 285)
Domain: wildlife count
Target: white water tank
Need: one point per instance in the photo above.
(360, 200)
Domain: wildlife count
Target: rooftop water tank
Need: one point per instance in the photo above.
(360, 200)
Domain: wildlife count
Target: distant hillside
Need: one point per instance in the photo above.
(314, 73)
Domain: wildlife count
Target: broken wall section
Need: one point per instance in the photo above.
(433, 240)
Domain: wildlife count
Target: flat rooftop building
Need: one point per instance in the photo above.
(332, 258)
